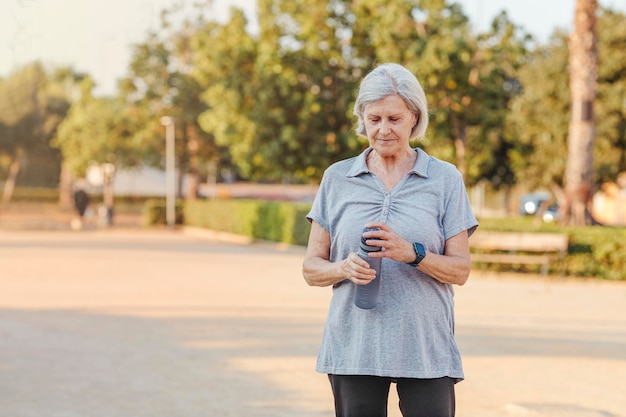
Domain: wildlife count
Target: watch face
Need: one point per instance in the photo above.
(419, 249)
(420, 253)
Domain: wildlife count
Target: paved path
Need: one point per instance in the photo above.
(158, 323)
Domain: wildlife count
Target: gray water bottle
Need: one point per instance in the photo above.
(366, 295)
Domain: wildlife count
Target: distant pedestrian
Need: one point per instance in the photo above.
(81, 203)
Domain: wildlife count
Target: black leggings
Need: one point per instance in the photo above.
(367, 396)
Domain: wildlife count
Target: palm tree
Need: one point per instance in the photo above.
(583, 67)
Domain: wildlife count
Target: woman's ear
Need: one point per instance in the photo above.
(417, 118)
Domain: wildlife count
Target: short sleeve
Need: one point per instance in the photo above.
(458, 214)
(319, 209)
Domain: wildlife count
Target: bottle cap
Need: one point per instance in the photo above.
(368, 248)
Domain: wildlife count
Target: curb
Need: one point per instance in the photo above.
(226, 237)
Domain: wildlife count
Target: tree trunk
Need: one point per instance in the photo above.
(583, 65)
(14, 170)
(66, 180)
(193, 180)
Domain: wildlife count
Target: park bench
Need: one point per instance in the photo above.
(516, 248)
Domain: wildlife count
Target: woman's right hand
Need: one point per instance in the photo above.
(319, 271)
(357, 270)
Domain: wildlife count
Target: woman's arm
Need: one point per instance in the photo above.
(319, 271)
(453, 267)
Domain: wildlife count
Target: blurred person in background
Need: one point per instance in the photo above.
(81, 204)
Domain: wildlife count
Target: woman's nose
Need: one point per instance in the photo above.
(385, 127)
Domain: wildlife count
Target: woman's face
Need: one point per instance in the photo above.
(388, 125)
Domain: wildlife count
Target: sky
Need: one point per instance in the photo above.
(94, 36)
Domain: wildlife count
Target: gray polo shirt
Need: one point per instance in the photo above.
(410, 333)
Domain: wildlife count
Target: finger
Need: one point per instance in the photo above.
(359, 262)
(380, 225)
(355, 268)
(362, 280)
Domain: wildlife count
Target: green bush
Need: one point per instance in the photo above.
(51, 195)
(594, 251)
(277, 221)
(597, 251)
(155, 212)
(35, 194)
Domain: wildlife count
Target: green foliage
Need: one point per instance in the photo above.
(598, 251)
(33, 102)
(130, 203)
(500, 55)
(23, 105)
(155, 212)
(41, 169)
(282, 102)
(276, 221)
(538, 120)
(36, 194)
(95, 130)
(223, 58)
(277, 104)
(159, 84)
(610, 139)
(594, 251)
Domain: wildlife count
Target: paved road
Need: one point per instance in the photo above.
(142, 323)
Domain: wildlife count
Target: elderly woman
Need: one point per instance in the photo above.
(421, 208)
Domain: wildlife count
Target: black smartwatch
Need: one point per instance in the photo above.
(420, 253)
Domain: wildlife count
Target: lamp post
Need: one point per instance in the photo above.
(170, 179)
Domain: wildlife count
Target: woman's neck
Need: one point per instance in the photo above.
(391, 169)
(402, 162)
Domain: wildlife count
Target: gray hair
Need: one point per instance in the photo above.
(386, 80)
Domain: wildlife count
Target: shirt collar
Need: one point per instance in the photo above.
(359, 166)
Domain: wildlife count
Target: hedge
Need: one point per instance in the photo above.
(51, 195)
(155, 212)
(276, 221)
(35, 194)
(594, 251)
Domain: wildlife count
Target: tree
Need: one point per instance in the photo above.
(495, 75)
(583, 67)
(280, 103)
(96, 131)
(159, 83)
(32, 104)
(468, 80)
(310, 83)
(223, 67)
(537, 120)
(21, 113)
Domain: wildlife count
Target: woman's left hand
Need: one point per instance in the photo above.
(394, 246)
(452, 267)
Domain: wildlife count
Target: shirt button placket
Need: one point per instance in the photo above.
(386, 207)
